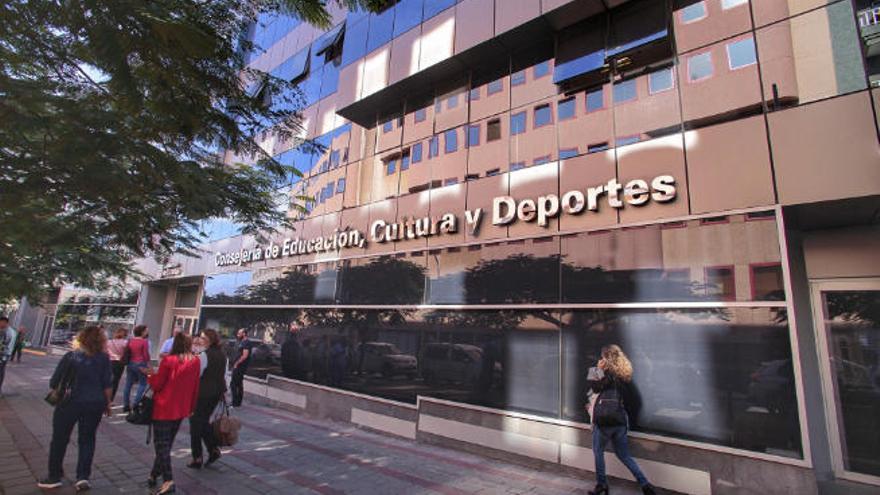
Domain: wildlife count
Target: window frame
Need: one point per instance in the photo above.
(711, 64)
(490, 92)
(732, 268)
(546, 73)
(739, 3)
(470, 128)
(570, 100)
(412, 153)
(651, 90)
(446, 140)
(601, 91)
(514, 79)
(566, 151)
(765, 264)
(634, 82)
(535, 109)
(489, 124)
(696, 19)
(525, 122)
(730, 59)
(390, 166)
(423, 112)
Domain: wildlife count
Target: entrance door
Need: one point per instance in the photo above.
(847, 317)
(186, 323)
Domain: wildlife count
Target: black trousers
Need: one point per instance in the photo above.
(200, 427)
(236, 386)
(2, 371)
(118, 371)
(163, 439)
(65, 417)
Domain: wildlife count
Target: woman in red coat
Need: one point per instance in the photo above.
(175, 391)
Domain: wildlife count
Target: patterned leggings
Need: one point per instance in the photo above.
(163, 439)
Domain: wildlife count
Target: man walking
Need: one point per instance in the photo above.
(8, 337)
(166, 346)
(239, 367)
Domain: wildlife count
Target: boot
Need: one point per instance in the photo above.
(648, 489)
(600, 490)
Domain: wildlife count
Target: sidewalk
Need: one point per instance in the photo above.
(278, 452)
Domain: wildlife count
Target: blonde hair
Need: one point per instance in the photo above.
(617, 363)
(90, 340)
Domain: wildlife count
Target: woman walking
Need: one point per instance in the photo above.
(86, 371)
(212, 386)
(136, 369)
(116, 349)
(175, 390)
(611, 419)
(19, 344)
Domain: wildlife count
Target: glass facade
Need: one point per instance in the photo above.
(498, 325)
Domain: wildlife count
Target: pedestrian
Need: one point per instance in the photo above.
(243, 351)
(338, 357)
(175, 391)
(610, 418)
(136, 369)
(7, 345)
(116, 349)
(88, 398)
(166, 346)
(19, 344)
(292, 365)
(212, 386)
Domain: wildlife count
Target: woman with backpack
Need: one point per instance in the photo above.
(175, 392)
(610, 417)
(116, 348)
(81, 393)
(138, 354)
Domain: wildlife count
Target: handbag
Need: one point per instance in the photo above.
(142, 412)
(126, 355)
(61, 393)
(609, 409)
(226, 426)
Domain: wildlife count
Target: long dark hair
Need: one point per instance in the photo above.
(212, 336)
(182, 345)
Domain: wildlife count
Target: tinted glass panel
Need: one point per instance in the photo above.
(722, 376)
(416, 152)
(671, 262)
(354, 46)
(381, 29)
(853, 330)
(660, 80)
(543, 115)
(451, 139)
(385, 280)
(434, 7)
(407, 15)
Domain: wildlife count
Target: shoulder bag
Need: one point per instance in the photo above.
(609, 409)
(61, 393)
(225, 426)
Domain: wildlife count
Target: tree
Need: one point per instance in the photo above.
(113, 114)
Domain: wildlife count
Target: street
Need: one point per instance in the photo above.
(278, 452)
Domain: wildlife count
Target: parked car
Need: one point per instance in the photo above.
(386, 358)
(459, 363)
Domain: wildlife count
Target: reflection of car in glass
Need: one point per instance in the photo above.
(386, 358)
(771, 383)
(451, 362)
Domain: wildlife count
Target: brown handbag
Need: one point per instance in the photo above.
(226, 426)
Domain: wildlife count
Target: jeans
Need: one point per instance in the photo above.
(617, 436)
(134, 375)
(163, 439)
(200, 427)
(236, 386)
(88, 416)
(2, 372)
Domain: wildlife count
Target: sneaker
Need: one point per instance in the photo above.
(49, 483)
(82, 485)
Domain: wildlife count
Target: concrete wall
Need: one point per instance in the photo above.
(681, 466)
(841, 253)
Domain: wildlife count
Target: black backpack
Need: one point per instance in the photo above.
(609, 409)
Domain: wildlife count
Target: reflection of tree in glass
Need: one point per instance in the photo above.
(385, 281)
(854, 306)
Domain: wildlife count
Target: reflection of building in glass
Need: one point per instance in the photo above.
(750, 357)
